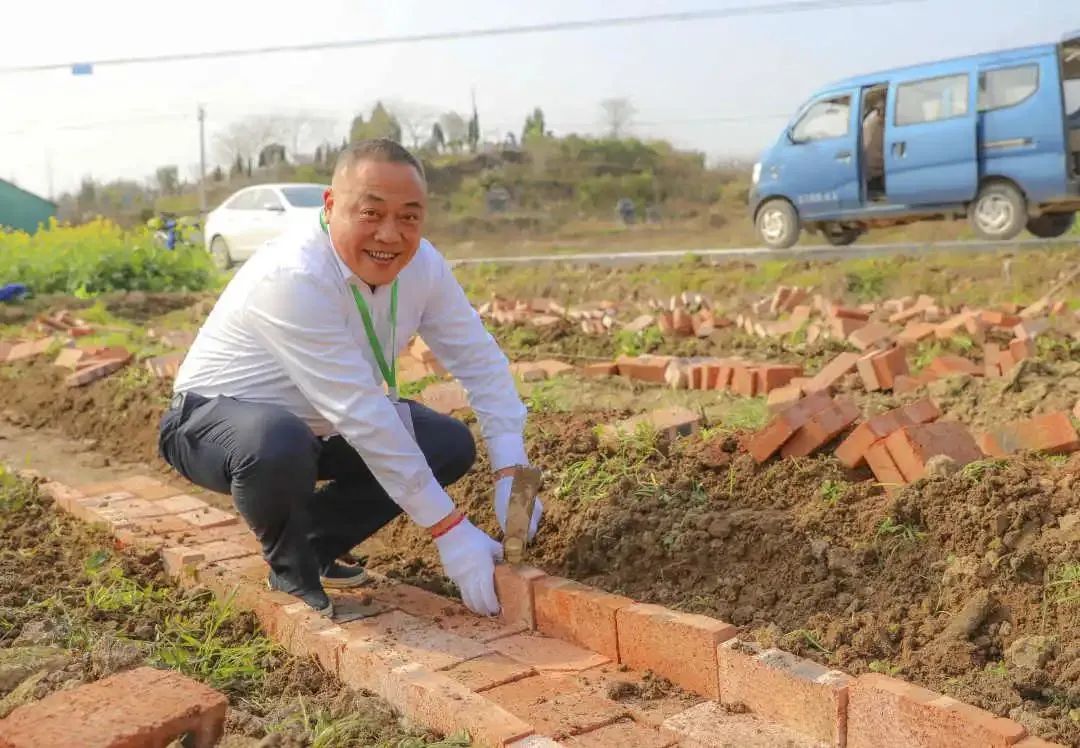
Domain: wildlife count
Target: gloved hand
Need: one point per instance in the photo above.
(468, 557)
(502, 504)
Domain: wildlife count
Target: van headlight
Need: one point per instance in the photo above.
(756, 174)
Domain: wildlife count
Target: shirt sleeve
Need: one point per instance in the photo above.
(294, 316)
(456, 335)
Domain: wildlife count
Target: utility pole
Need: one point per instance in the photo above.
(49, 171)
(202, 160)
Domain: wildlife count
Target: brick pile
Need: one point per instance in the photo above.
(539, 675)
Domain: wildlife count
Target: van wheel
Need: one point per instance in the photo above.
(840, 236)
(999, 212)
(777, 224)
(1051, 225)
(219, 253)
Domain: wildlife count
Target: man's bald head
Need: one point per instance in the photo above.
(380, 150)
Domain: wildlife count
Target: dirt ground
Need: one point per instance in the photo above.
(966, 583)
(72, 610)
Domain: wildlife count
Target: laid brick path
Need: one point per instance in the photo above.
(560, 667)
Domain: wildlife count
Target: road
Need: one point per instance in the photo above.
(817, 252)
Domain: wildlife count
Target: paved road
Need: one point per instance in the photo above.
(818, 252)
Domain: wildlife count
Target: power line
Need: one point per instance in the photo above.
(774, 8)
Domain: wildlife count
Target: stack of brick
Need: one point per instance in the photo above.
(686, 315)
(23, 350)
(537, 312)
(1051, 433)
(852, 451)
(91, 364)
(902, 456)
(803, 427)
(735, 375)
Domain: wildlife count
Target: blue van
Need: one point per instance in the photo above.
(993, 137)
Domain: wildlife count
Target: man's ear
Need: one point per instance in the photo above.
(328, 200)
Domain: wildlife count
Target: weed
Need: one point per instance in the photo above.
(543, 397)
(885, 667)
(901, 532)
(807, 636)
(14, 493)
(832, 491)
(997, 668)
(412, 390)
(111, 591)
(592, 478)
(974, 471)
(1064, 585)
(963, 343)
(745, 414)
(1056, 461)
(925, 355)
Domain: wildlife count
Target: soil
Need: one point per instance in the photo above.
(61, 640)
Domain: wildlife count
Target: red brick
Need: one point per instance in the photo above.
(621, 734)
(744, 381)
(999, 319)
(1021, 348)
(488, 671)
(844, 327)
(69, 358)
(905, 384)
(884, 712)
(832, 373)
(94, 372)
(147, 488)
(163, 525)
(180, 504)
(852, 451)
(547, 655)
(779, 686)
(599, 370)
(64, 495)
(556, 707)
(821, 429)
(921, 411)
(888, 365)
(968, 323)
(772, 377)
(948, 365)
(579, 614)
(166, 366)
(139, 707)
(178, 559)
(783, 426)
(883, 466)
(208, 517)
(514, 588)
(912, 446)
(22, 351)
(644, 368)
(915, 332)
(871, 335)
(1052, 433)
(783, 397)
(668, 423)
(678, 646)
(710, 725)
(867, 372)
(442, 704)
(1076, 410)
(1033, 742)
(724, 377)
(849, 313)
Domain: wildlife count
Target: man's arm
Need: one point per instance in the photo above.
(456, 335)
(293, 315)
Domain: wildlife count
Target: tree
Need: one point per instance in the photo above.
(168, 179)
(473, 134)
(414, 120)
(455, 130)
(381, 124)
(618, 113)
(436, 141)
(271, 154)
(244, 139)
(534, 126)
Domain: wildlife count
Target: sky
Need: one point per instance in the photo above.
(724, 87)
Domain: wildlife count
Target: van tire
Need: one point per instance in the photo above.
(999, 212)
(1051, 225)
(777, 224)
(840, 236)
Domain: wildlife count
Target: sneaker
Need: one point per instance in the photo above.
(317, 600)
(338, 575)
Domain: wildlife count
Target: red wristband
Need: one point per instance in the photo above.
(447, 528)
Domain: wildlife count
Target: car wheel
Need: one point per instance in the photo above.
(777, 224)
(219, 252)
(999, 212)
(840, 236)
(1051, 225)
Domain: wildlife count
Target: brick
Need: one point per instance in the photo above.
(64, 495)
(709, 725)
(579, 614)
(912, 446)
(867, 373)
(844, 327)
(1022, 348)
(888, 365)
(703, 323)
(547, 655)
(905, 384)
(448, 614)
(643, 368)
(999, 319)
(180, 504)
(744, 381)
(599, 370)
(620, 734)
(924, 410)
(94, 372)
(208, 517)
(843, 312)
(488, 671)
(916, 332)
(69, 358)
(968, 323)
(1033, 742)
(31, 349)
(949, 365)
(783, 426)
(836, 369)
(223, 550)
(870, 335)
(445, 397)
(852, 451)
(147, 488)
(678, 646)
(514, 588)
(442, 704)
(779, 686)
(162, 525)
(772, 377)
(556, 707)
(178, 559)
(429, 646)
(536, 741)
(139, 707)
(821, 429)
(166, 366)
(783, 397)
(1031, 328)
(668, 423)
(135, 508)
(884, 712)
(682, 321)
(884, 467)
(527, 371)
(1052, 433)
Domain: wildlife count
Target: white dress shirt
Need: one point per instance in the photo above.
(286, 331)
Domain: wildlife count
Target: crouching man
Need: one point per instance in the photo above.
(284, 387)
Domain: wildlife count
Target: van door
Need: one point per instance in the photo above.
(930, 141)
(820, 166)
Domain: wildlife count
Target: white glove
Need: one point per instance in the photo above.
(468, 557)
(502, 504)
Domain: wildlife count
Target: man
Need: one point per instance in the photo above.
(873, 136)
(283, 387)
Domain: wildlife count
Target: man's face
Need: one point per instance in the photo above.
(376, 215)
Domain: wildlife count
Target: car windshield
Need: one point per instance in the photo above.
(304, 197)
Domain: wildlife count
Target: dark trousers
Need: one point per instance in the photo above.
(268, 460)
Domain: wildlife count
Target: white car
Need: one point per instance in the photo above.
(254, 215)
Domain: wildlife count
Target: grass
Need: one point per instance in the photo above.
(591, 479)
(899, 532)
(884, 667)
(974, 471)
(322, 728)
(1064, 585)
(833, 491)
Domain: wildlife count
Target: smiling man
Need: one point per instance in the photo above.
(292, 381)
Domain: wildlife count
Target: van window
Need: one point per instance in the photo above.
(932, 100)
(1007, 87)
(828, 118)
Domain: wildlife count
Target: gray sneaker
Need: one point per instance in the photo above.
(340, 576)
(317, 600)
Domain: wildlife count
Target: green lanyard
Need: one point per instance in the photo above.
(389, 371)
